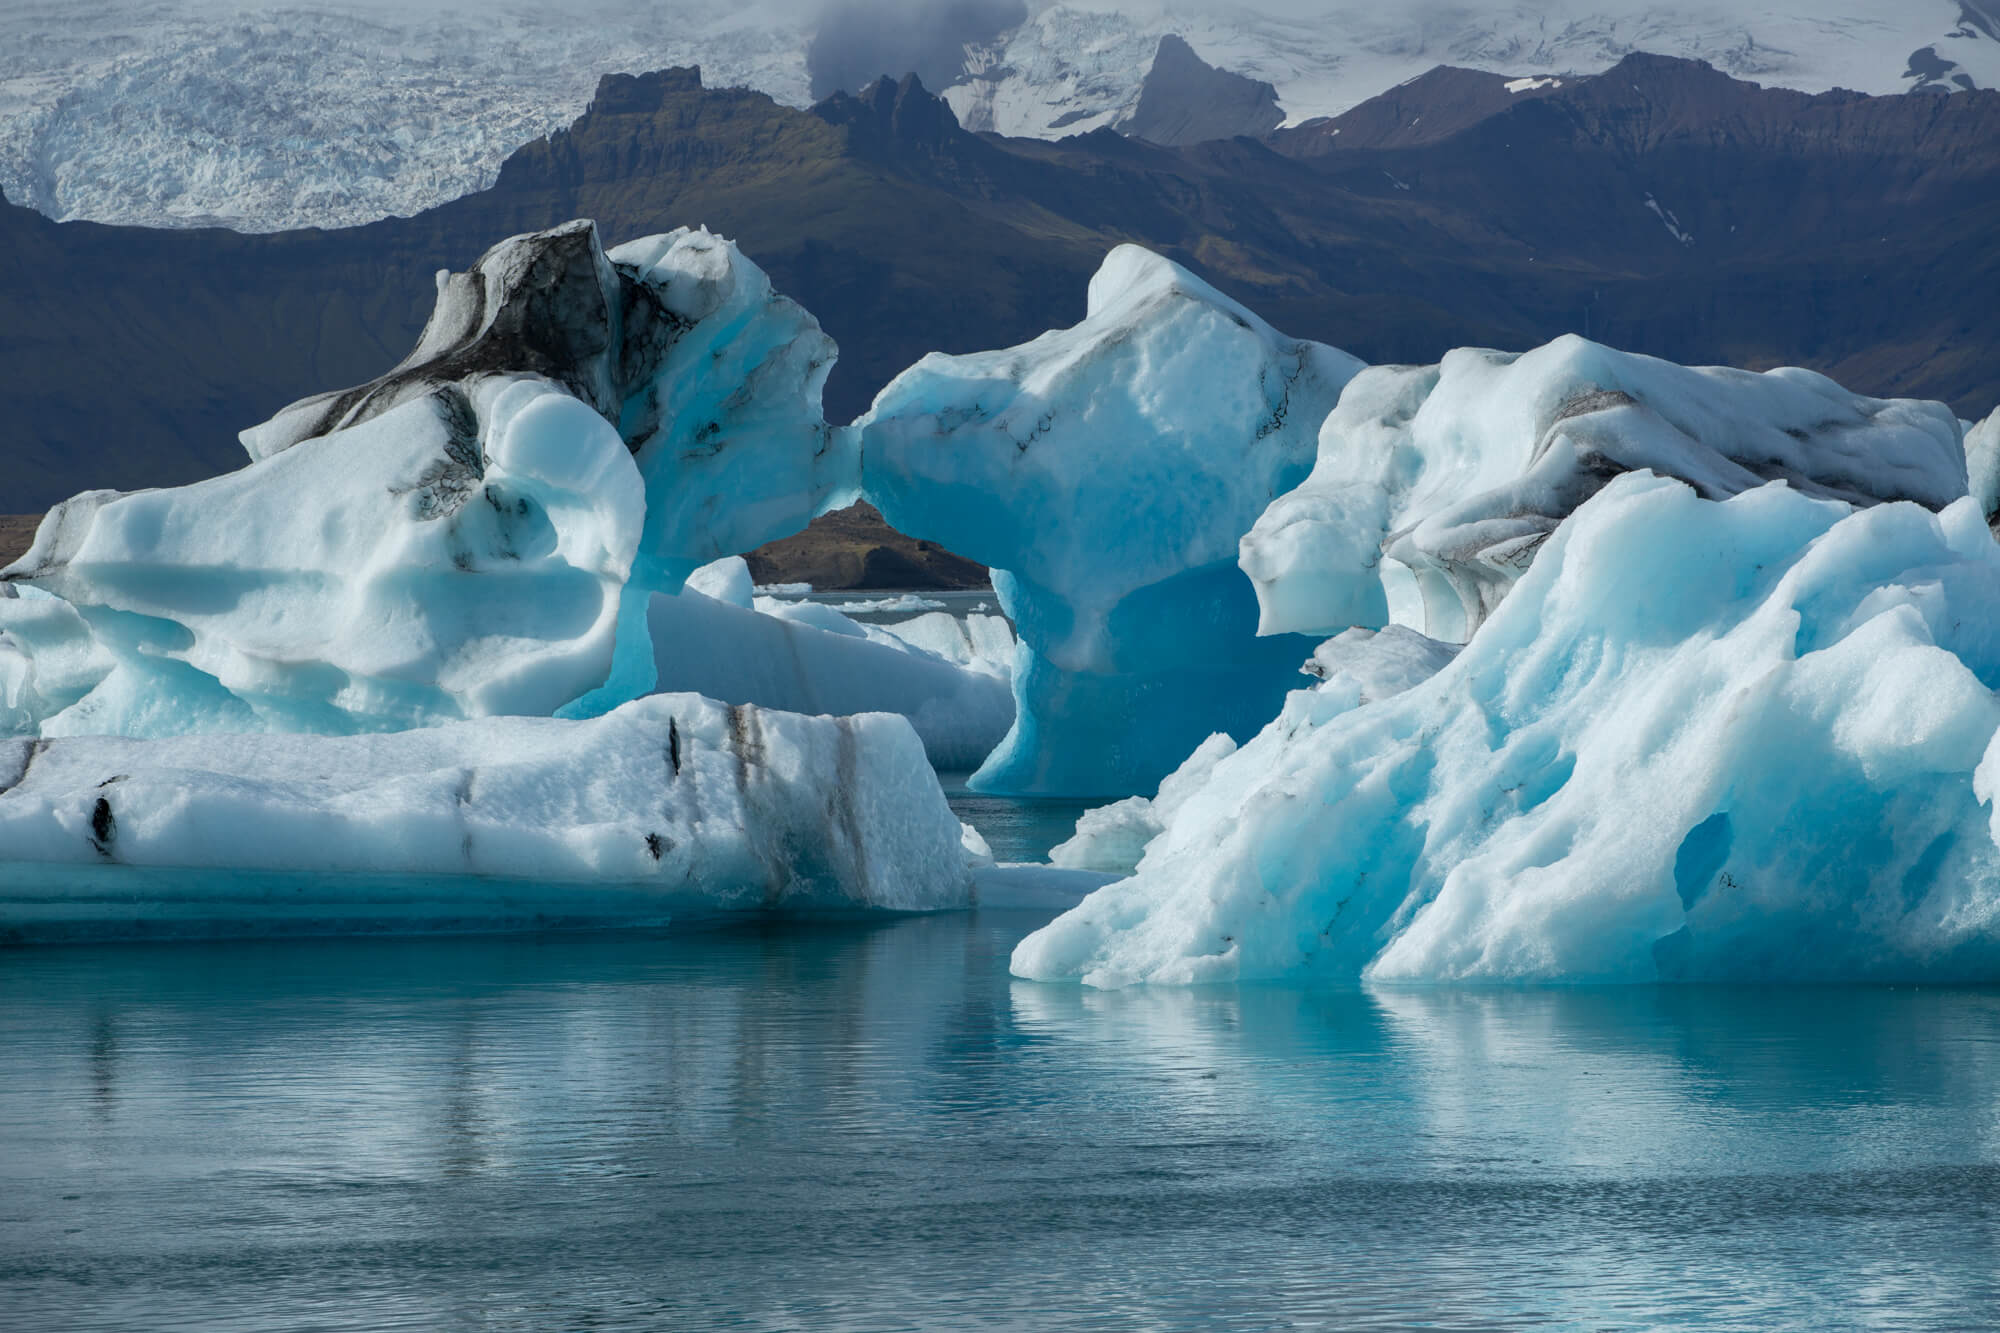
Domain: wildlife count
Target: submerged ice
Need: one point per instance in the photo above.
(1753, 739)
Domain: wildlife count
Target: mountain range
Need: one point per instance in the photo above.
(267, 115)
(1662, 206)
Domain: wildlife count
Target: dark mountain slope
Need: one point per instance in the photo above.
(1661, 207)
(1185, 100)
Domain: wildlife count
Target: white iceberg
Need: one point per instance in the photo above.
(775, 659)
(477, 533)
(712, 379)
(668, 807)
(978, 642)
(1106, 473)
(451, 558)
(1982, 464)
(1747, 740)
(1436, 485)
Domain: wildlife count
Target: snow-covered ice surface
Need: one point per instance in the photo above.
(1106, 473)
(1435, 485)
(337, 112)
(1751, 739)
(669, 806)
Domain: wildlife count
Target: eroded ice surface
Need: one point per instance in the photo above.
(669, 805)
(456, 556)
(1751, 739)
(478, 532)
(1436, 485)
(1106, 473)
(1982, 464)
(743, 655)
(712, 379)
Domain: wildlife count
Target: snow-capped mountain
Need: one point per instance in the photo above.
(1078, 66)
(335, 112)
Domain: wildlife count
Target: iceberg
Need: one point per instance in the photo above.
(1745, 740)
(979, 642)
(711, 378)
(1106, 472)
(477, 533)
(454, 557)
(1435, 486)
(667, 807)
(1982, 464)
(824, 664)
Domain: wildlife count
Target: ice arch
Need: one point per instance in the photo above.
(1106, 473)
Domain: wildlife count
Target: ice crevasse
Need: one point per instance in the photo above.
(1749, 739)
(1106, 473)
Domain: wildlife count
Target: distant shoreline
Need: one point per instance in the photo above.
(17, 534)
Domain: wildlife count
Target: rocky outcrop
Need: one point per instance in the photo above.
(1186, 100)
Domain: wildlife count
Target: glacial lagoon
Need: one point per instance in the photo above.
(871, 1126)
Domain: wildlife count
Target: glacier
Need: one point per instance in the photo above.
(1434, 486)
(114, 112)
(1746, 739)
(668, 807)
(1106, 473)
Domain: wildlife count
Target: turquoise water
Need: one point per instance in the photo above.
(873, 1127)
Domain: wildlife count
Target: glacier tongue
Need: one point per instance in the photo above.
(668, 806)
(1106, 473)
(1435, 486)
(1746, 740)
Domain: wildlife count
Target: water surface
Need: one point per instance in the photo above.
(874, 1127)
